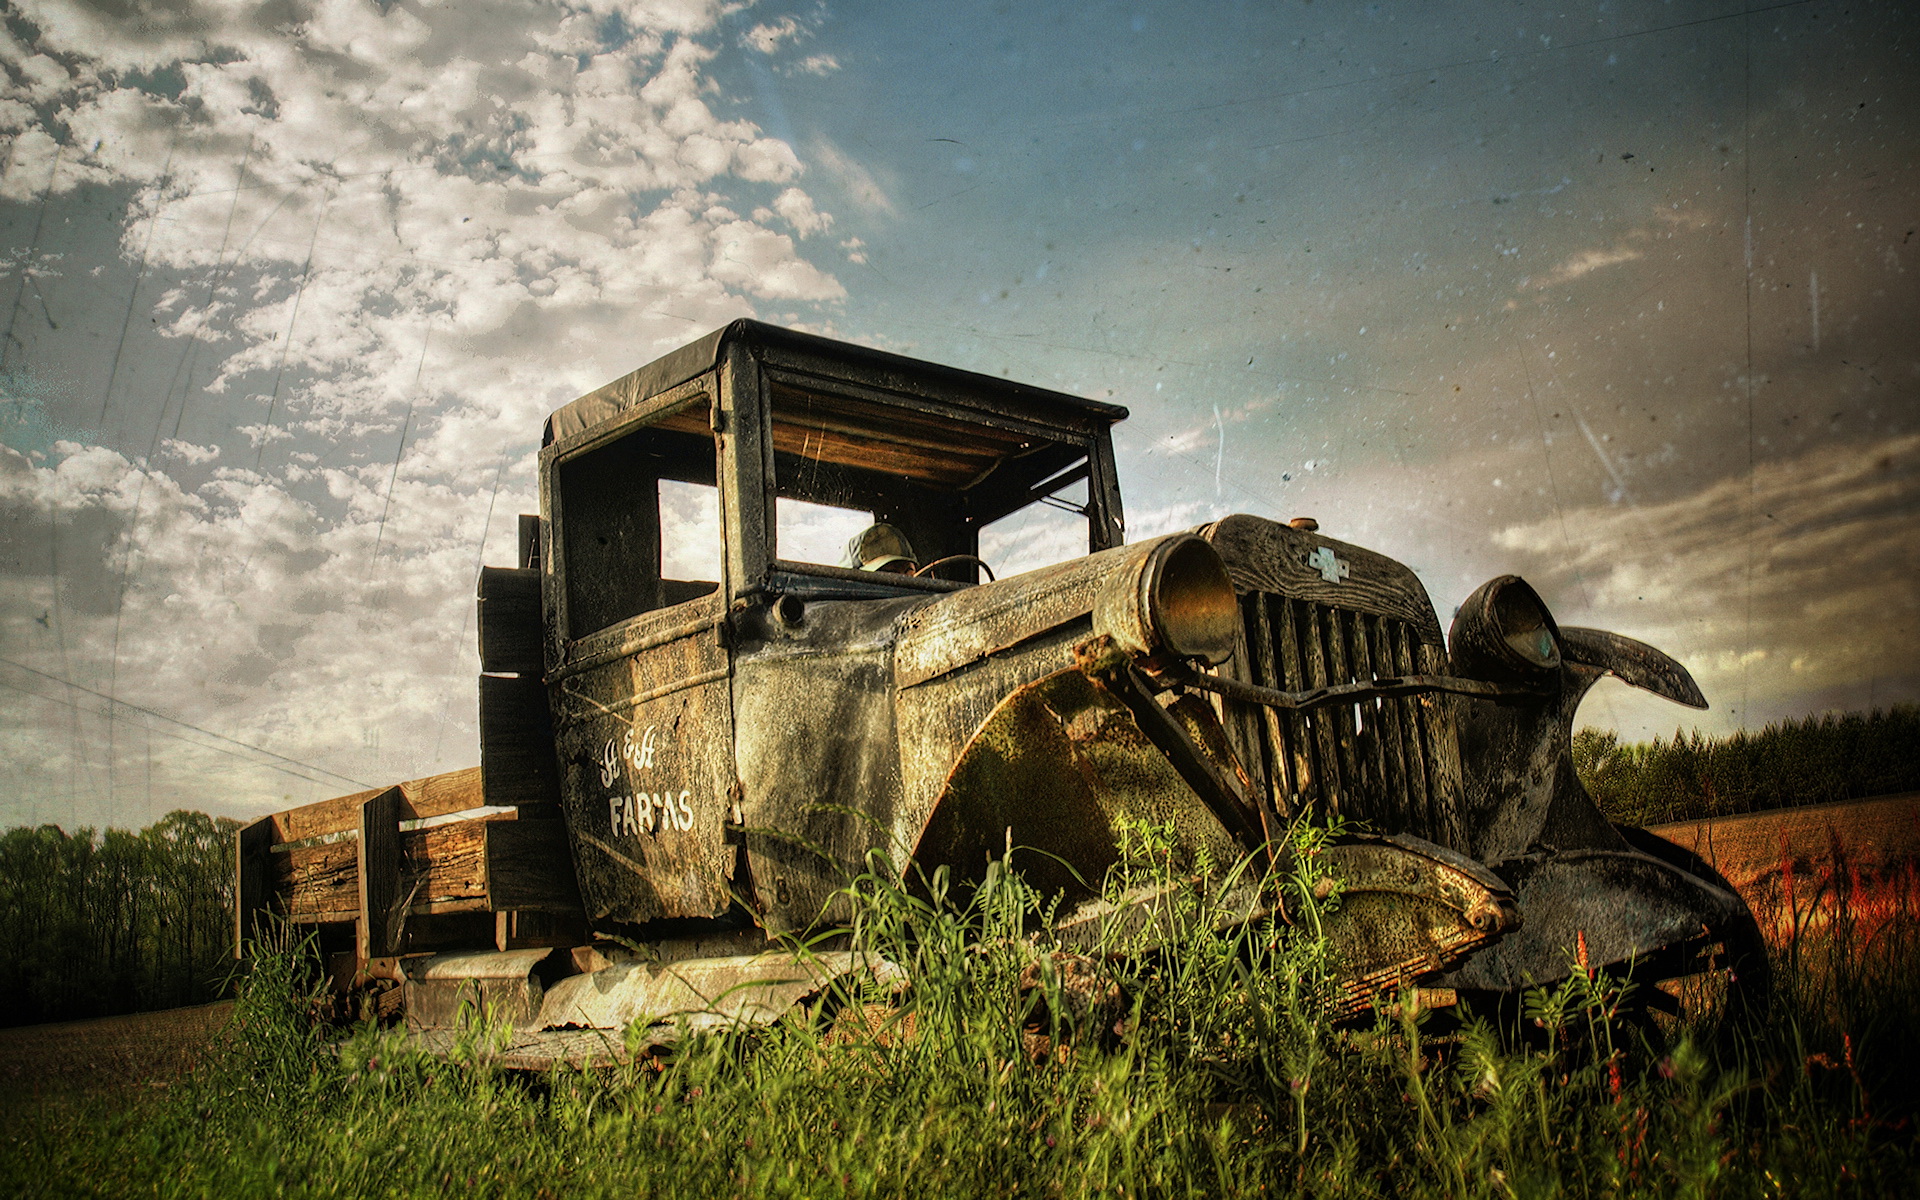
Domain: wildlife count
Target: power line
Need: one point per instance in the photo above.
(113, 701)
(33, 247)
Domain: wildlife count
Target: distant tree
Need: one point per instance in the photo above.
(92, 925)
(1817, 760)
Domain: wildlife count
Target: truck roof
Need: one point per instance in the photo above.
(672, 369)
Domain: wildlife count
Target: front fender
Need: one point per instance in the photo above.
(1055, 772)
(1522, 793)
(1631, 662)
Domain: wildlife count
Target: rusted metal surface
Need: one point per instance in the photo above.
(1625, 905)
(692, 984)
(1529, 818)
(817, 753)
(1054, 771)
(1362, 646)
(995, 618)
(1523, 791)
(1408, 908)
(701, 993)
(504, 987)
(1216, 781)
(645, 744)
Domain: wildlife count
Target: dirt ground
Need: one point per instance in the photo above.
(143, 1050)
(1801, 868)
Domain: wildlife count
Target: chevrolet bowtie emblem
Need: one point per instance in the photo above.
(1328, 564)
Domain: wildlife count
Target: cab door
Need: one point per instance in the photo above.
(639, 675)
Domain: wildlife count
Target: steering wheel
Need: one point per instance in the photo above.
(975, 559)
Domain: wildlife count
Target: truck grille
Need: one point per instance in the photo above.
(1392, 763)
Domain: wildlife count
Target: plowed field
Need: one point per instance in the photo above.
(141, 1050)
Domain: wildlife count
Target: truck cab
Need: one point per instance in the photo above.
(708, 661)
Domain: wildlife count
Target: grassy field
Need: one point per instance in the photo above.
(1224, 1079)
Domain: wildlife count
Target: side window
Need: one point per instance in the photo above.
(690, 547)
(816, 533)
(1051, 530)
(639, 521)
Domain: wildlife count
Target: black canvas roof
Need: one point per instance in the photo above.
(695, 358)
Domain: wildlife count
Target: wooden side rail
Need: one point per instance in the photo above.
(383, 878)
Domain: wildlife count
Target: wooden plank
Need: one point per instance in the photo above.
(442, 869)
(448, 864)
(440, 795)
(433, 796)
(312, 884)
(516, 742)
(511, 635)
(378, 871)
(252, 846)
(529, 867)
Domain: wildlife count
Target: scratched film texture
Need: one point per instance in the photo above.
(1622, 299)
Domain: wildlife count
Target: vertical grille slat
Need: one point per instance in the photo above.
(1352, 774)
(1420, 782)
(1378, 761)
(1392, 717)
(1273, 740)
(1298, 750)
(1332, 770)
(1365, 736)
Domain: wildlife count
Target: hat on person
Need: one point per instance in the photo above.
(880, 547)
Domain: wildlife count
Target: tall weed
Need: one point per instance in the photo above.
(1175, 1049)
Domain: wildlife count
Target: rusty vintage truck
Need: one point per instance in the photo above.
(698, 719)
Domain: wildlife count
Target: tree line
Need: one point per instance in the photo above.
(1815, 760)
(97, 924)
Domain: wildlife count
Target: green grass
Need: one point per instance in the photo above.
(1811, 761)
(1227, 1080)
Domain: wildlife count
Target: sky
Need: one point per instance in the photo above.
(1621, 298)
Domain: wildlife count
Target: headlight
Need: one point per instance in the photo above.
(1170, 595)
(1505, 633)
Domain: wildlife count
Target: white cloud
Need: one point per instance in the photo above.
(1585, 263)
(762, 262)
(856, 180)
(187, 452)
(1738, 578)
(396, 235)
(796, 208)
(767, 36)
